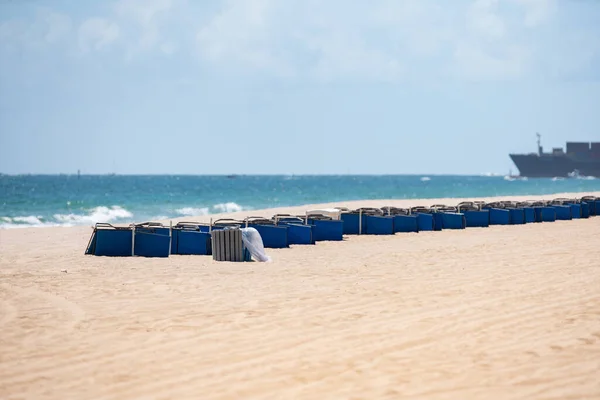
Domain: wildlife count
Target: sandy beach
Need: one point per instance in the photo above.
(506, 312)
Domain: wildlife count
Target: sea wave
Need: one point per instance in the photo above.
(29, 221)
(112, 214)
(97, 214)
(192, 211)
(90, 216)
(228, 207)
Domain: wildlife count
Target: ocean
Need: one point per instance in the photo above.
(68, 200)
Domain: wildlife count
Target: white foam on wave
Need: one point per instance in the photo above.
(192, 211)
(30, 221)
(490, 174)
(425, 179)
(97, 214)
(515, 178)
(228, 207)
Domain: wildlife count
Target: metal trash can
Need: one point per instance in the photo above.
(227, 244)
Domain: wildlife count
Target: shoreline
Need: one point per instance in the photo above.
(301, 209)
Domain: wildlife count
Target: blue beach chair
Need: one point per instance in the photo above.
(475, 217)
(425, 221)
(528, 211)
(298, 231)
(325, 228)
(191, 238)
(111, 241)
(273, 236)
(377, 223)
(152, 239)
(499, 215)
(448, 217)
(575, 206)
(367, 221)
(354, 222)
(543, 212)
(585, 209)
(564, 212)
(593, 205)
(516, 213)
(403, 220)
(147, 239)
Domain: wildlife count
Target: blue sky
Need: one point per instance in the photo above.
(271, 86)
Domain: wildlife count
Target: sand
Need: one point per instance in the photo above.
(507, 312)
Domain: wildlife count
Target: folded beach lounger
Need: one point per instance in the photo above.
(585, 209)
(273, 236)
(425, 221)
(377, 223)
(367, 221)
(498, 214)
(528, 211)
(515, 211)
(517, 216)
(475, 217)
(298, 231)
(191, 238)
(151, 239)
(148, 239)
(109, 240)
(325, 228)
(579, 209)
(564, 212)
(574, 204)
(353, 222)
(435, 213)
(593, 205)
(448, 217)
(576, 211)
(403, 220)
(543, 212)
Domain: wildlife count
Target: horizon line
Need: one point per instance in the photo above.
(235, 175)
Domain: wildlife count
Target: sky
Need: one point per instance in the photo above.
(294, 86)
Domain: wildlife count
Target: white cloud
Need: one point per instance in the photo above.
(483, 19)
(58, 26)
(409, 23)
(387, 40)
(537, 11)
(97, 33)
(241, 34)
(46, 27)
(146, 19)
(380, 40)
(471, 62)
(296, 38)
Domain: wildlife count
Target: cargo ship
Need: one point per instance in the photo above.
(579, 159)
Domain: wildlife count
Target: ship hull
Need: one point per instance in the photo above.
(534, 166)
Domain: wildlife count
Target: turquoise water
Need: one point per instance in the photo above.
(40, 200)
